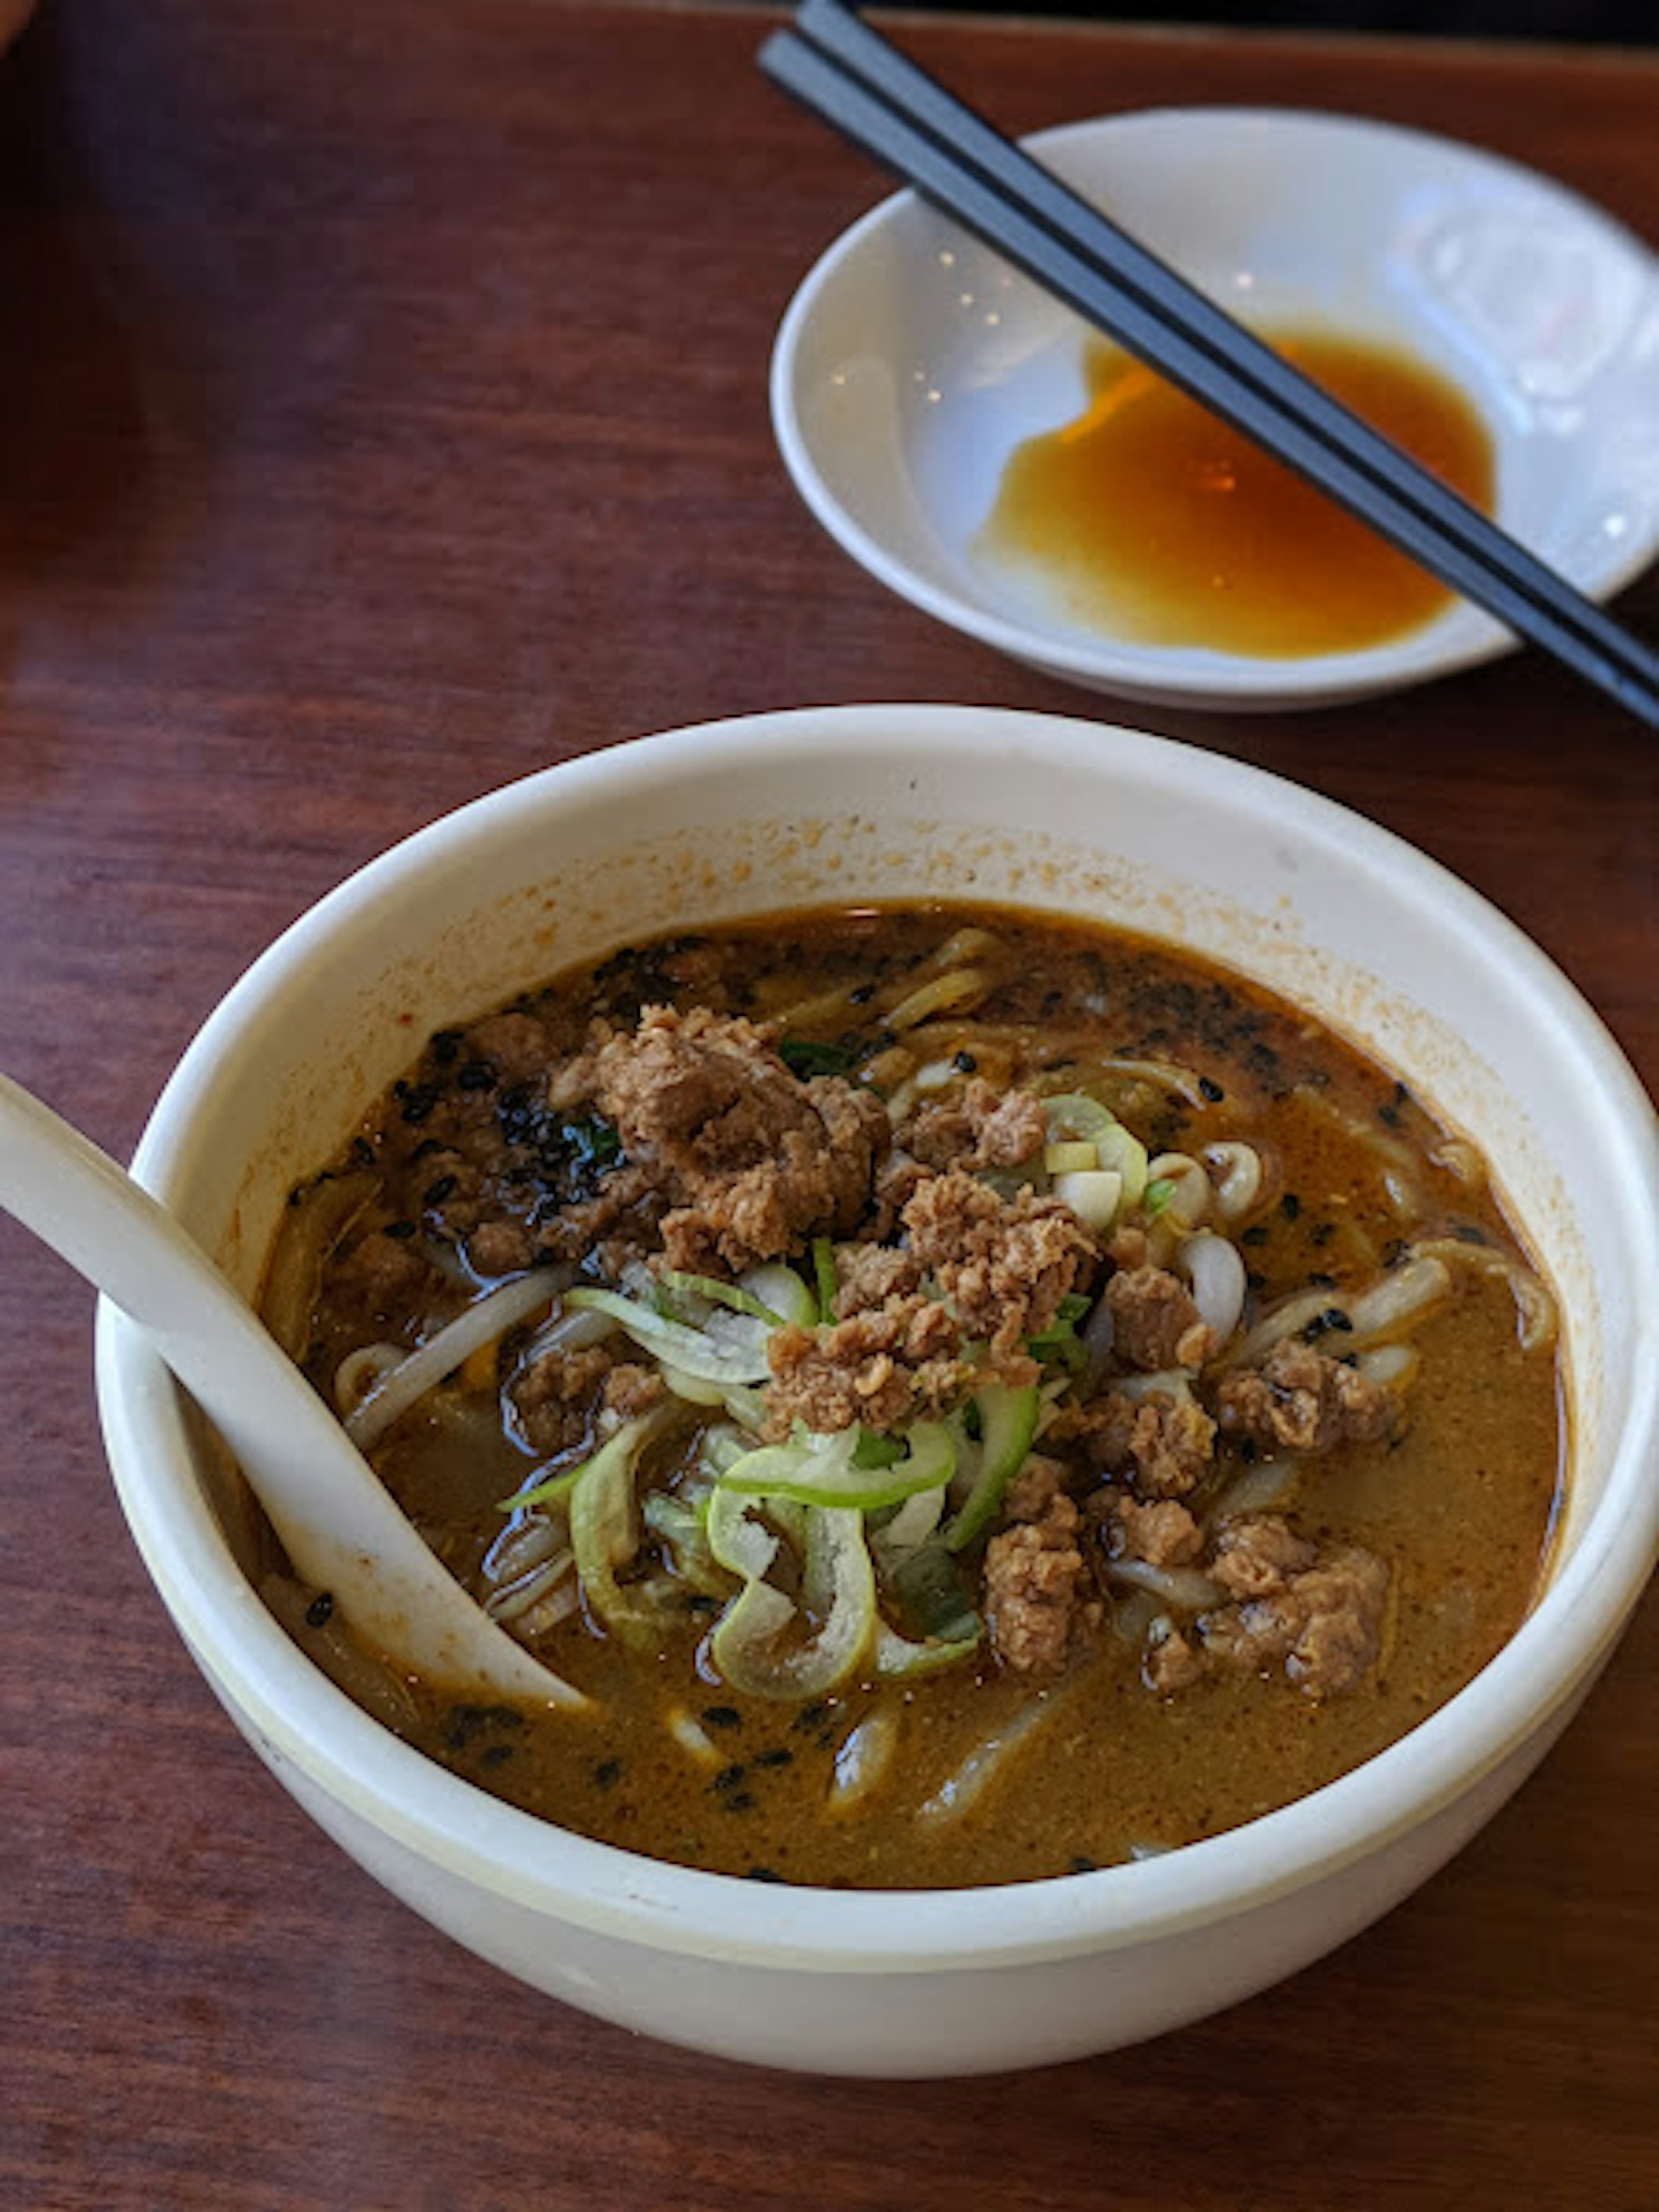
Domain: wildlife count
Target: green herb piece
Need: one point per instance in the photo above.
(721, 1294)
(810, 1056)
(824, 1276)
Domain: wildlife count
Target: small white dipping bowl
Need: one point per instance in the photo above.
(842, 806)
(914, 360)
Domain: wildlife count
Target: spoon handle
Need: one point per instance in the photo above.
(342, 1530)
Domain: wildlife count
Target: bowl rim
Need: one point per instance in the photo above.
(1461, 637)
(297, 1717)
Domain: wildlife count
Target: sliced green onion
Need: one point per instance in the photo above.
(1093, 1194)
(545, 1493)
(897, 1659)
(1008, 1421)
(839, 1586)
(1157, 1194)
(678, 1524)
(781, 1292)
(825, 1470)
(824, 1274)
(719, 1294)
(738, 1538)
(605, 1529)
(927, 1584)
(874, 1450)
(690, 1350)
(1121, 1149)
(1070, 1157)
(1073, 1115)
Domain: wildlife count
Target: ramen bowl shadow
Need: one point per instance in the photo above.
(845, 805)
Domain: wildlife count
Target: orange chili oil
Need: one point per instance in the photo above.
(1148, 517)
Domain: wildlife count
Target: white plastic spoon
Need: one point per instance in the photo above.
(341, 1529)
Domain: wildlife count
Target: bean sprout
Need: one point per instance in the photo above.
(481, 1323)
(1215, 1271)
(1183, 1588)
(863, 1757)
(360, 1370)
(1238, 1177)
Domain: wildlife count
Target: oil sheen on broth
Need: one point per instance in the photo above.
(1144, 1410)
(1149, 517)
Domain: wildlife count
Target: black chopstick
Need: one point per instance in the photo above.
(847, 74)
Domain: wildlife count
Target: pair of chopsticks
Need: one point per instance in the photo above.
(848, 76)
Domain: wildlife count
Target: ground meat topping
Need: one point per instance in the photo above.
(1301, 1400)
(1257, 1554)
(379, 1275)
(1002, 1264)
(981, 1127)
(1163, 1534)
(556, 1395)
(885, 1368)
(1172, 1663)
(1041, 1606)
(1156, 1322)
(1161, 1444)
(750, 1161)
(1322, 1622)
(630, 1390)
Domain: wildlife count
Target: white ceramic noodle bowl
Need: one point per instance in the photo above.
(869, 803)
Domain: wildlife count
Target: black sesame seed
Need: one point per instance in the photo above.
(1256, 1234)
(608, 1772)
(810, 1715)
(1208, 1088)
(320, 1611)
(1080, 1862)
(477, 1075)
(436, 1193)
(764, 1874)
(738, 1801)
(401, 1231)
(722, 1717)
(965, 1064)
(860, 996)
(1289, 1206)
(777, 1757)
(1467, 1233)
(729, 1778)
(416, 1100)
(445, 1047)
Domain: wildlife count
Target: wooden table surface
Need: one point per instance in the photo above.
(382, 416)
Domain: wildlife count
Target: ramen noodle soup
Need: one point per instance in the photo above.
(965, 1397)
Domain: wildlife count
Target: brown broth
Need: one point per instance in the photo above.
(1460, 1501)
(1150, 517)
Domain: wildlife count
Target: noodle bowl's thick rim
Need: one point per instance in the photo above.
(299, 1717)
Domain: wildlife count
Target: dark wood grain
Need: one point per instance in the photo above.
(382, 416)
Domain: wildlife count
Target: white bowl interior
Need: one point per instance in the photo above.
(848, 805)
(914, 360)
